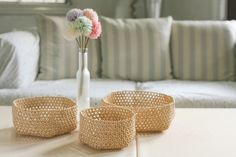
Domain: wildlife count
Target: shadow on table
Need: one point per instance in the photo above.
(11, 141)
(64, 145)
(8, 136)
(160, 133)
(78, 149)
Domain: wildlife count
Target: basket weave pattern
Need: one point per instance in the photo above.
(44, 116)
(155, 111)
(107, 127)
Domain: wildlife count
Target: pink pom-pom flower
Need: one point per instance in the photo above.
(96, 30)
(90, 14)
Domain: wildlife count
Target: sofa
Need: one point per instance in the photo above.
(193, 61)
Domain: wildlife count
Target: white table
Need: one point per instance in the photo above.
(193, 133)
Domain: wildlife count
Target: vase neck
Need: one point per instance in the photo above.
(83, 60)
(83, 50)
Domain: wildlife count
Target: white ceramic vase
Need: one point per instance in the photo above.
(83, 81)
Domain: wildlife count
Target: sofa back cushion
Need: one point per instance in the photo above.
(136, 49)
(203, 50)
(59, 57)
(19, 54)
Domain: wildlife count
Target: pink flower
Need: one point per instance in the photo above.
(96, 29)
(90, 14)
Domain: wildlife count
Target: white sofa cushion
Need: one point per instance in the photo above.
(136, 49)
(203, 50)
(19, 54)
(196, 93)
(189, 94)
(99, 88)
(59, 57)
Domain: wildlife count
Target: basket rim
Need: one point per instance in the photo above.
(109, 121)
(140, 91)
(42, 97)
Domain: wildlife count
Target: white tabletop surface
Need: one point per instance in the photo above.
(193, 133)
(13, 145)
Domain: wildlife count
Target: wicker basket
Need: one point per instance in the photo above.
(44, 116)
(155, 111)
(107, 127)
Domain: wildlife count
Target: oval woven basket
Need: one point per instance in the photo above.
(107, 127)
(44, 116)
(155, 111)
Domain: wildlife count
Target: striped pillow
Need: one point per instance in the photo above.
(136, 49)
(233, 25)
(59, 57)
(203, 50)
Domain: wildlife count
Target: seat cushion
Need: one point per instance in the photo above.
(194, 94)
(136, 49)
(67, 87)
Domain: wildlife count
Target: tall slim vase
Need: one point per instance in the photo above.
(83, 81)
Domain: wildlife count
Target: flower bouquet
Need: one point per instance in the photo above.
(83, 25)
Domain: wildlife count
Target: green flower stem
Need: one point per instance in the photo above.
(82, 41)
(80, 38)
(78, 41)
(87, 40)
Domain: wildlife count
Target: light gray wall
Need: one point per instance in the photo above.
(16, 17)
(123, 9)
(103, 7)
(16, 22)
(195, 9)
(113, 8)
(179, 9)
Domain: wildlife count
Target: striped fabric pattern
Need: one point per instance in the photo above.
(233, 25)
(136, 49)
(59, 57)
(203, 50)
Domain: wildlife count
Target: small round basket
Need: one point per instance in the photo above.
(44, 116)
(107, 127)
(155, 111)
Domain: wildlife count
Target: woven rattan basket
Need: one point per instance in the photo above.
(107, 127)
(155, 111)
(44, 116)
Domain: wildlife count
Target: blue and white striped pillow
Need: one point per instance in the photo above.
(59, 57)
(203, 50)
(136, 49)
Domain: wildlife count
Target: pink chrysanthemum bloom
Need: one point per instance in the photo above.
(96, 29)
(91, 14)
